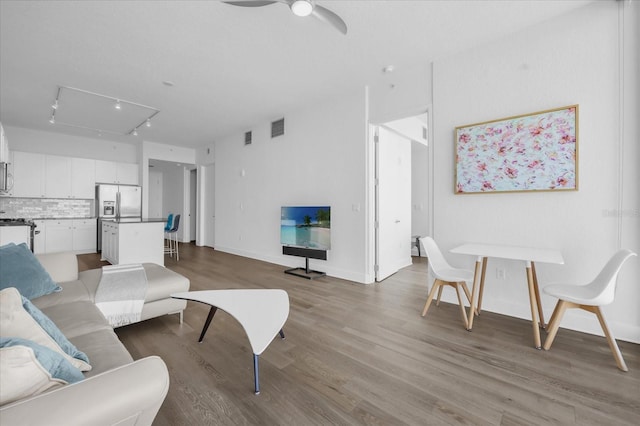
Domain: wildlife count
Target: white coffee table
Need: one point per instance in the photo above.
(261, 313)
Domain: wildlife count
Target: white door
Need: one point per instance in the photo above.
(393, 202)
(209, 220)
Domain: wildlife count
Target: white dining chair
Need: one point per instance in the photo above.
(445, 275)
(590, 297)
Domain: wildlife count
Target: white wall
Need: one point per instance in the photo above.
(28, 140)
(320, 160)
(419, 190)
(569, 60)
(155, 194)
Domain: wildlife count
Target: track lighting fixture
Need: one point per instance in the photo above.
(90, 98)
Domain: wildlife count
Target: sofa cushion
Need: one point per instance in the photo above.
(27, 368)
(15, 321)
(72, 291)
(77, 318)
(104, 349)
(21, 269)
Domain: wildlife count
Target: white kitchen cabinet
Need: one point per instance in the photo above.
(28, 175)
(114, 172)
(59, 235)
(133, 242)
(110, 242)
(84, 235)
(83, 179)
(76, 235)
(127, 173)
(40, 237)
(69, 177)
(15, 234)
(57, 176)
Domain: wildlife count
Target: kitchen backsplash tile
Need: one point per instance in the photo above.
(45, 208)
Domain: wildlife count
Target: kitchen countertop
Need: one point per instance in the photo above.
(136, 220)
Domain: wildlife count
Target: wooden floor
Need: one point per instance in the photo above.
(357, 354)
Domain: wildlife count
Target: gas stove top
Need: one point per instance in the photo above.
(16, 222)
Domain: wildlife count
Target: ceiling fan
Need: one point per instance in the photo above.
(300, 8)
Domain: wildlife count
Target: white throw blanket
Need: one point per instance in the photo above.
(121, 293)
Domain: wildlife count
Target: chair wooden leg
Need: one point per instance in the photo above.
(558, 313)
(439, 295)
(610, 339)
(462, 310)
(436, 284)
(553, 316)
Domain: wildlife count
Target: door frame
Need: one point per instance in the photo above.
(370, 246)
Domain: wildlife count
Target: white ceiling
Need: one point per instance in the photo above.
(232, 67)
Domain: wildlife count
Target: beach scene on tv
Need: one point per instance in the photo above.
(308, 227)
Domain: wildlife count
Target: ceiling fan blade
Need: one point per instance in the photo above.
(329, 17)
(250, 3)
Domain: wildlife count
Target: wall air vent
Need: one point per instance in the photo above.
(277, 128)
(247, 138)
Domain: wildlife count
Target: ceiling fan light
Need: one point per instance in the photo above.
(302, 7)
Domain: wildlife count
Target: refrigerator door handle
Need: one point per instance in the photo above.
(117, 204)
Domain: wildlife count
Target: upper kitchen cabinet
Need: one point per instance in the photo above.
(114, 172)
(28, 175)
(67, 177)
(83, 181)
(57, 180)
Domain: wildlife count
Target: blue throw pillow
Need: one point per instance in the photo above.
(20, 269)
(52, 361)
(53, 331)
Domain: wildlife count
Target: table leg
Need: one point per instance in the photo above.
(538, 300)
(484, 274)
(476, 278)
(534, 310)
(212, 312)
(256, 377)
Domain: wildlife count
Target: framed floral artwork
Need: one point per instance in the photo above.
(531, 152)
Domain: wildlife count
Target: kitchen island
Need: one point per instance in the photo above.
(128, 240)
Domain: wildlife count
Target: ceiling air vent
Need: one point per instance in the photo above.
(277, 128)
(247, 138)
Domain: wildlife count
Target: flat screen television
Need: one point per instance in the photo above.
(306, 227)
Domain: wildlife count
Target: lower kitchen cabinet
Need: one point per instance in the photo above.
(76, 235)
(58, 236)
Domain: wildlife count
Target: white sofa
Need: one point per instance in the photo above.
(117, 390)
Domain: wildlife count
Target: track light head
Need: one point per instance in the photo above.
(148, 124)
(55, 105)
(135, 132)
(118, 106)
(52, 120)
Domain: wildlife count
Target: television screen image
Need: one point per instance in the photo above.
(306, 226)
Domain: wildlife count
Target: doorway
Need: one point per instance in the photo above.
(403, 191)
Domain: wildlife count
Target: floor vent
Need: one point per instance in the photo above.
(247, 138)
(277, 128)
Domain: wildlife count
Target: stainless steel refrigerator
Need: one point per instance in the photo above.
(116, 202)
